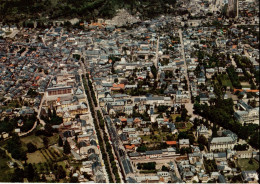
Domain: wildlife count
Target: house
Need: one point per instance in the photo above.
(244, 154)
(184, 143)
(250, 176)
(202, 130)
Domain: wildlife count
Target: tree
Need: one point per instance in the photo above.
(154, 71)
(164, 168)
(116, 80)
(48, 129)
(61, 173)
(202, 140)
(31, 147)
(66, 147)
(201, 146)
(45, 142)
(74, 180)
(18, 175)
(29, 172)
(60, 143)
(184, 113)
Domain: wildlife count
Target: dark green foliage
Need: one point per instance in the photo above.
(60, 142)
(60, 173)
(31, 147)
(29, 172)
(32, 93)
(210, 165)
(66, 147)
(154, 71)
(162, 108)
(241, 147)
(14, 147)
(141, 148)
(45, 142)
(202, 140)
(74, 180)
(146, 166)
(18, 10)
(164, 168)
(186, 150)
(234, 77)
(18, 175)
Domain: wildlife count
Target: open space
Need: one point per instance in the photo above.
(246, 166)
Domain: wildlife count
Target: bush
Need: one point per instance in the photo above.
(31, 147)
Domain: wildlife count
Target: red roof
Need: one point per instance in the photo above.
(171, 142)
(129, 146)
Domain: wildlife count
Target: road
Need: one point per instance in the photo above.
(98, 123)
(12, 35)
(157, 50)
(91, 119)
(189, 105)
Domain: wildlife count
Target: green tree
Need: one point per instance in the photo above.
(202, 140)
(31, 147)
(154, 71)
(66, 148)
(45, 142)
(74, 180)
(29, 172)
(60, 142)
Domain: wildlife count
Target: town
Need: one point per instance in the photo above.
(167, 100)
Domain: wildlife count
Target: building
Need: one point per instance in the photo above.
(248, 115)
(222, 143)
(250, 176)
(184, 143)
(64, 90)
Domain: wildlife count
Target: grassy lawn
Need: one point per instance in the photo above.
(245, 166)
(225, 80)
(53, 139)
(35, 157)
(188, 127)
(157, 137)
(36, 140)
(174, 116)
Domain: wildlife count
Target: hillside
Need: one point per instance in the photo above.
(14, 11)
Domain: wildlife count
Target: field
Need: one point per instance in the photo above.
(38, 141)
(44, 155)
(35, 157)
(245, 166)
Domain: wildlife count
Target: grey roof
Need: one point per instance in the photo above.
(153, 152)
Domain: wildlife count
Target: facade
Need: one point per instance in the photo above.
(59, 91)
(248, 115)
(222, 143)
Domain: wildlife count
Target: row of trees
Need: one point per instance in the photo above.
(102, 148)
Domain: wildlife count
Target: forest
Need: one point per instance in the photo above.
(42, 10)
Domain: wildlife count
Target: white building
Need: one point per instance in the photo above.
(222, 143)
